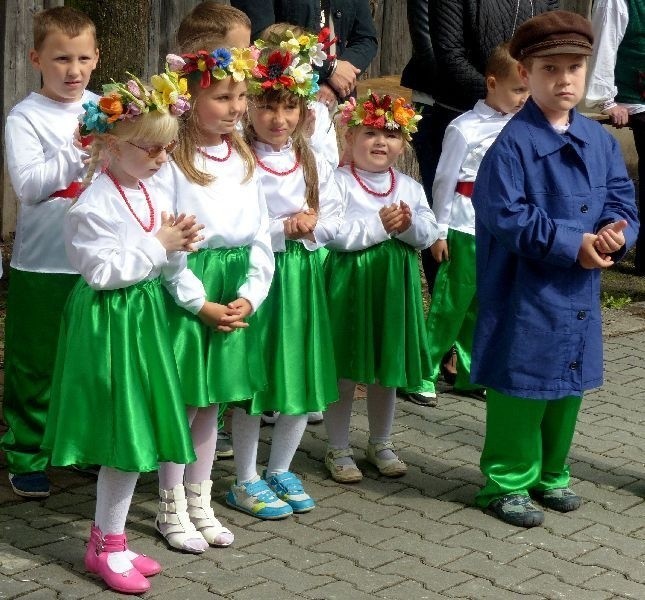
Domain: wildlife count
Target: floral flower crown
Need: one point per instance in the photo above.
(286, 63)
(216, 65)
(122, 101)
(381, 112)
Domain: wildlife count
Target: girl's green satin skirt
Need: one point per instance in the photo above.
(376, 312)
(116, 398)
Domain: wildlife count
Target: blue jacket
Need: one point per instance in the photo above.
(538, 333)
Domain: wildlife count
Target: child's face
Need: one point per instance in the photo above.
(375, 150)
(274, 122)
(237, 37)
(135, 160)
(218, 109)
(506, 95)
(556, 83)
(65, 64)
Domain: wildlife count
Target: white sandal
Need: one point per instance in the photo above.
(342, 473)
(174, 524)
(202, 516)
(390, 467)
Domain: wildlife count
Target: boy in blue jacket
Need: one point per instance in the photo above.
(554, 205)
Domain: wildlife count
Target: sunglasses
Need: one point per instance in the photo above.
(154, 151)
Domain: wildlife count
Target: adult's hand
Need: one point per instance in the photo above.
(344, 78)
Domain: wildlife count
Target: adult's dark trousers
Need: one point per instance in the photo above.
(637, 123)
(427, 146)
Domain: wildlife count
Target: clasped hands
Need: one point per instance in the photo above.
(396, 218)
(301, 225)
(596, 249)
(179, 233)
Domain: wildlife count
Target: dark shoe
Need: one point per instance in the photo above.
(30, 485)
(92, 470)
(448, 366)
(224, 446)
(270, 417)
(560, 499)
(420, 398)
(517, 509)
(476, 393)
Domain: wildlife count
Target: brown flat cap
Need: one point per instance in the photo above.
(553, 32)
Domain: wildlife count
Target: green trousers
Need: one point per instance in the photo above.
(34, 309)
(453, 311)
(527, 444)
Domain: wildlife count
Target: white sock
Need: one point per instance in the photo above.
(204, 433)
(381, 402)
(338, 417)
(114, 491)
(246, 433)
(287, 433)
(171, 474)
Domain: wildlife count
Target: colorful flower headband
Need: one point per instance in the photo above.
(286, 63)
(380, 112)
(216, 65)
(121, 101)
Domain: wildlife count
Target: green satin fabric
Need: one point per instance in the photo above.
(215, 367)
(376, 312)
(296, 336)
(34, 311)
(527, 444)
(116, 397)
(453, 310)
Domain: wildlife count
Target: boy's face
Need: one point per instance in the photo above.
(507, 95)
(556, 83)
(65, 64)
(238, 37)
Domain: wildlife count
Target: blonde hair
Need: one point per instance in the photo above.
(207, 25)
(154, 127)
(500, 63)
(275, 33)
(66, 19)
(300, 142)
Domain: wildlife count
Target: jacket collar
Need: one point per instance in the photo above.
(547, 140)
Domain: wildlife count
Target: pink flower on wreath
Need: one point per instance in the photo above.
(347, 112)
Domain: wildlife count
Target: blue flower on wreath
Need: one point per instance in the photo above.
(222, 57)
(94, 119)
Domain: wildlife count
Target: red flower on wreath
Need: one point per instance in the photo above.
(273, 71)
(375, 109)
(199, 61)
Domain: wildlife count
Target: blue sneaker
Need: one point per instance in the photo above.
(30, 485)
(257, 499)
(288, 487)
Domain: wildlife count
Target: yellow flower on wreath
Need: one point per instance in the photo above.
(242, 63)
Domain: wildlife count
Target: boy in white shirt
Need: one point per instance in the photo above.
(45, 164)
(454, 307)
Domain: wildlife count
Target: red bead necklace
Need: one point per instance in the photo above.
(370, 191)
(215, 158)
(151, 210)
(273, 171)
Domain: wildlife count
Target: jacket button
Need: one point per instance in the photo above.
(573, 366)
(338, 14)
(582, 315)
(584, 208)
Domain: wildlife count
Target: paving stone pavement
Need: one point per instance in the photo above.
(418, 537)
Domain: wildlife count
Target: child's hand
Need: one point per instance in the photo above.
(406, 214)
(589, 257)
(611, 237)
(391, 217)
(300, 225)
(180, 233)
(221, 317)
(242, 309)
(439, 251)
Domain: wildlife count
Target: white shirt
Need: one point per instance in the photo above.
(323, 139)
(233, 213)
(362, 226)
(609, 21)
(111, 250)
(285, 195)
(42, 159)
(467, 139)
